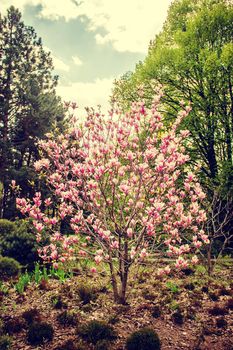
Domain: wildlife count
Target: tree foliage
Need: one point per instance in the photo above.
(28, 103)
(192, 58)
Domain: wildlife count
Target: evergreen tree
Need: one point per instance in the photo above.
(29, 106)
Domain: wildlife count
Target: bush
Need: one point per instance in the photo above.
(95, 331)
(57, 302)
(18, 242)
(144, 339)
(156, 312)
(38, 333)
(31, 316)
(5, 342)
(9, 267)
(67, 318)
(6, 228)
(13, 325)
(218, 311)
(177, 317)
(221, 322)
(86, 294)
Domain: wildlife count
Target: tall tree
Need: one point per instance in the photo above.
(193, 59)
(28, 102)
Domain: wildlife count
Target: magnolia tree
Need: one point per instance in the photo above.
(121, 182)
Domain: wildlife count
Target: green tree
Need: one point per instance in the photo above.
(29, 106)
(193, 59)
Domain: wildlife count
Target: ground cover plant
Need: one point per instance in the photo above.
(183, 320)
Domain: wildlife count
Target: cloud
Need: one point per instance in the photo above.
(59, 65)
(89, 94)
(77, 60)
(129, 25)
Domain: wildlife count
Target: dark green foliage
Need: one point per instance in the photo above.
(188, 271)
(6, 227)
(31, 316)
(143, 339)
(156, 312)
(224, 291)
(5, 342)
(29, 107)
(86, 294)
(18, 241)
(38, 333)
(114, 319)
(95, 330)
(218, 311)
(13, 325)
(57, 302)
(9, 267)
(221, 322)
(178, 317)
(213, 296)
(189, 286)
(205, 289)
(67, 318)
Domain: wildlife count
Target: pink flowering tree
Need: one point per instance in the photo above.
(122, 181)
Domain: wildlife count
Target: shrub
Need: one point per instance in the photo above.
(31, 316)
(221, 322)
(5, 342)
(6, 228)
(213, 296)
(19, 243)
(38, 333)
(156, 312)
(188, 271)
(143, 339)
(205, 289)
(177, 317)
(9, 267)
(86, 294)
(218, 311)
(13, 325)
(224, 291)
(189, 286)
(95, 330)
(57, 302)
(67, 318)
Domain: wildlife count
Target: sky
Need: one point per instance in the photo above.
(92, 42)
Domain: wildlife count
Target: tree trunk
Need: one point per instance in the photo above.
(209, 260)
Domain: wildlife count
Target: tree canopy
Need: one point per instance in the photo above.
(192, 58)
(29, 106)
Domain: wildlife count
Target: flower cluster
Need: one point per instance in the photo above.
(124, 182)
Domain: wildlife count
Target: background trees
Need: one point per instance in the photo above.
(29, 106)
(192, 58)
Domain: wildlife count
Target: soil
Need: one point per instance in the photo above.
(205, 323)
